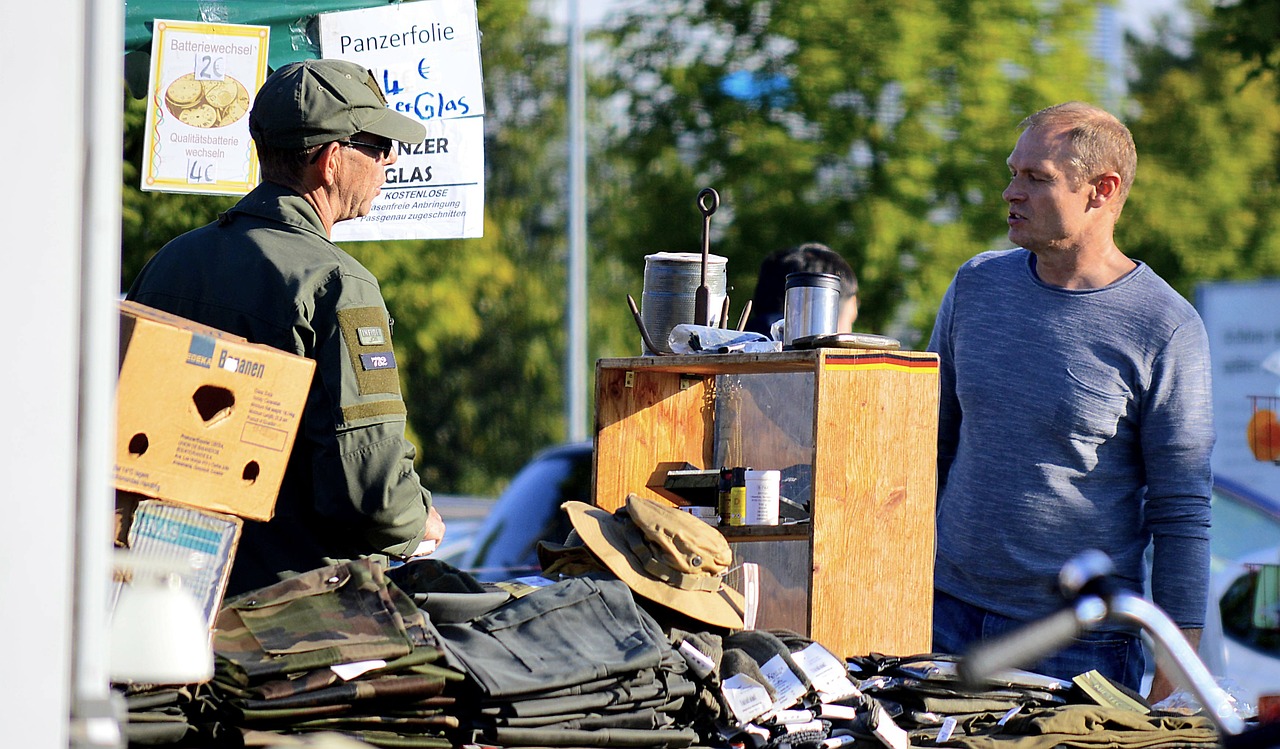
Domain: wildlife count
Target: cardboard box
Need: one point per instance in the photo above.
(204, 418)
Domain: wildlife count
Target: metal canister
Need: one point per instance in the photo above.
(811, 305)
(671, 281)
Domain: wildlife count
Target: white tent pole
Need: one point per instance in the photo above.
(98, 351)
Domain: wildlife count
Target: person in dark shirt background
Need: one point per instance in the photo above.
(812, 257)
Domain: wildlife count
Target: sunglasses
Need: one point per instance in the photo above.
(380, 150)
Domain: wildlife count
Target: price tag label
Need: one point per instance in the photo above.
(785, 683)
(889, 733)
(828, 674)
(349, 671)
(746, 698)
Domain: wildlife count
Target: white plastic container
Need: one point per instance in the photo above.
(762, 497)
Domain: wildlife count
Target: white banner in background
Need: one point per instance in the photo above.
(426, 55)
(1243, 322)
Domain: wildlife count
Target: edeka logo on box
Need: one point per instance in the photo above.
(241, 365)
(200, 353)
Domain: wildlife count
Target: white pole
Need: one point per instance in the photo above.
(576, 356)
(103, 125)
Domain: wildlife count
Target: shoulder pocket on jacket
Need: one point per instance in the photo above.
(367, 337)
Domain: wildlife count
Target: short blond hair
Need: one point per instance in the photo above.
(1101, 143)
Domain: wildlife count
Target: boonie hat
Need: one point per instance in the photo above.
(313, 102)
(668, 556)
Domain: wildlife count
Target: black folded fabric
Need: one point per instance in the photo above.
(575, 631)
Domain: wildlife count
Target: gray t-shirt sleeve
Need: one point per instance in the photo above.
(1177, 439)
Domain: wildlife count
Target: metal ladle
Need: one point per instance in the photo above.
(708, 202)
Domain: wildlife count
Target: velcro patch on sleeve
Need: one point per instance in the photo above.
(367, 335)
(374, 410)
(380, 360)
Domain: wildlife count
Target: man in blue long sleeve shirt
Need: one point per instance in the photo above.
(1075, 410)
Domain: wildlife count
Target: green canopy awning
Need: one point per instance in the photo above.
(294, 30)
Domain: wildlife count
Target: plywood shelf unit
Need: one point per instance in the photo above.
(855, 433)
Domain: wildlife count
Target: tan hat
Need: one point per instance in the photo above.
(663, 554)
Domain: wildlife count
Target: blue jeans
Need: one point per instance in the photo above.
(1116, 655)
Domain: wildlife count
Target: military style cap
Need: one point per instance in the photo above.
(314, 102)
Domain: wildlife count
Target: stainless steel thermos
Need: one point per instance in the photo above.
(811, 305)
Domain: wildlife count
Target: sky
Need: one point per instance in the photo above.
(1136, 16)
(1137, 13)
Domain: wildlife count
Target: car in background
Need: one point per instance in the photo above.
(505, 545)
(462, 516)
(1245, 536)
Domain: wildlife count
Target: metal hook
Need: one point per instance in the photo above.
(707, 210)
(702, 302)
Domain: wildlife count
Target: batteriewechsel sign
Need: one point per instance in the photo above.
(204, 77)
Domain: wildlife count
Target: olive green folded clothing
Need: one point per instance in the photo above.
(1091, 727)
(622, 738)
(156, 729)
(160, 716)
(572, 632)
(345, 740)
(400, 741)
(647, 718)
(281, 719)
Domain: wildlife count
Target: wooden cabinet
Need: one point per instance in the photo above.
(855, 434)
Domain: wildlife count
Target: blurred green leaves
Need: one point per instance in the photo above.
(888, 144)
(879, 127)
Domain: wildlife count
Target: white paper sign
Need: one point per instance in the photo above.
(426, 56)
(204, 77)
(889, 733)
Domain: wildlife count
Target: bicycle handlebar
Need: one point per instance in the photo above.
(1031, 643)
(1092, 600)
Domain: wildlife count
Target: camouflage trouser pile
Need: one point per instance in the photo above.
(336, 649)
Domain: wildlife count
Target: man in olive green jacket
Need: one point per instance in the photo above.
(267, 270)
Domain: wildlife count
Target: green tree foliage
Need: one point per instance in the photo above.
(879, 127)
(479, 331)
(885, 139)
(1206, 201)
(1250, 29)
